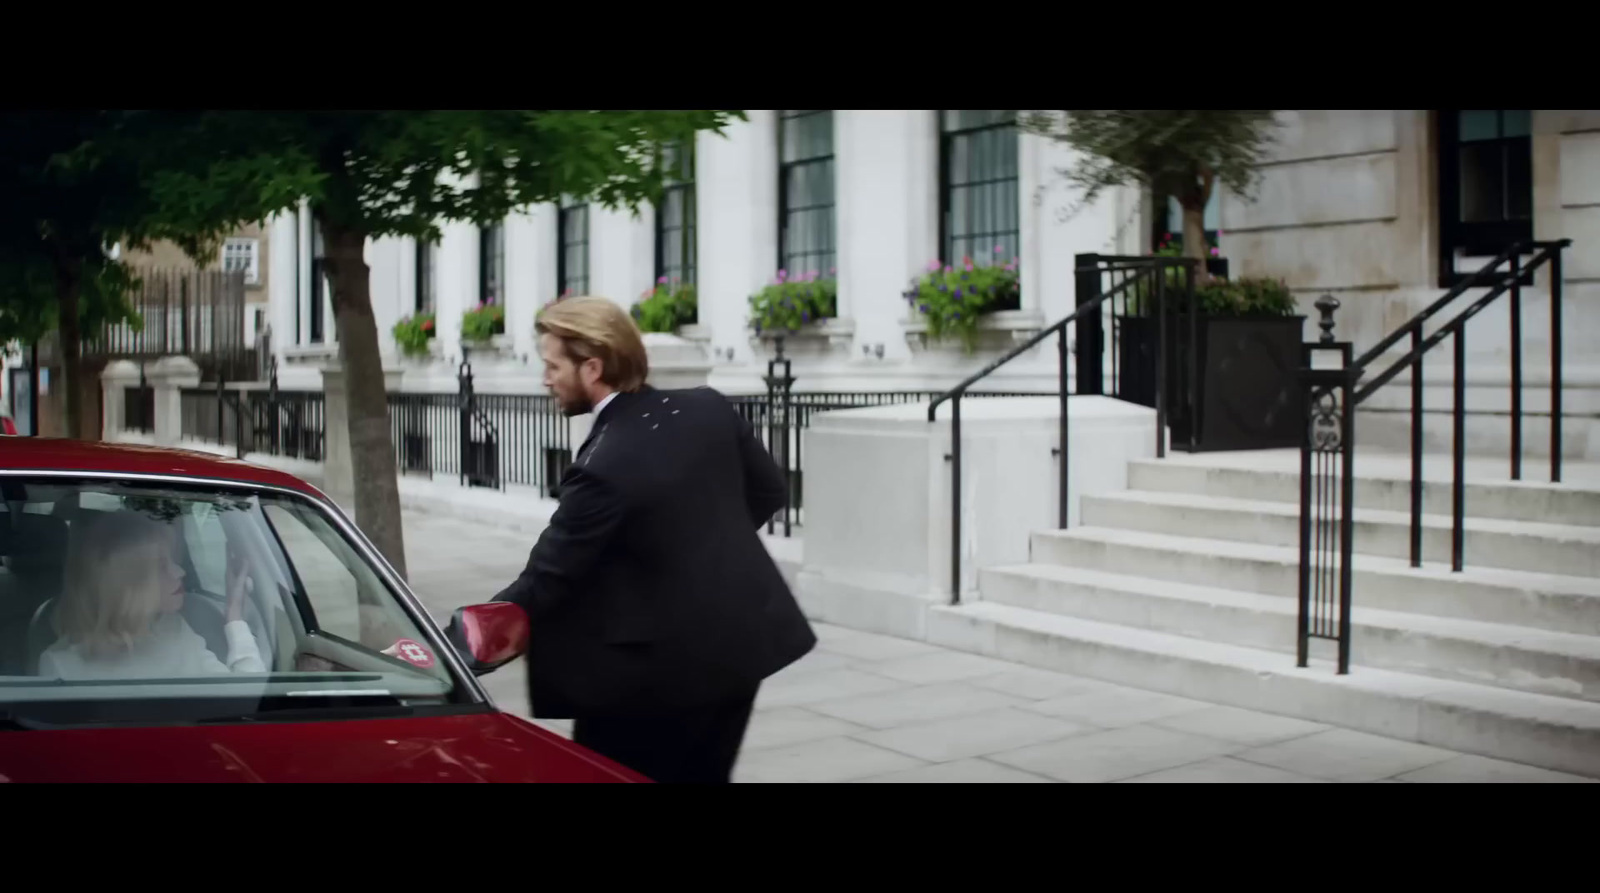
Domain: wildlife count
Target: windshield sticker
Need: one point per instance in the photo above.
(410, 652)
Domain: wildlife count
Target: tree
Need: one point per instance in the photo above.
(1183, 153)
(77, 181)
(367, 175)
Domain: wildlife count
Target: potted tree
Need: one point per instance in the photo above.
(1241, 340)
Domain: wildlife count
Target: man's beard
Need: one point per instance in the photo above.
(578, 406)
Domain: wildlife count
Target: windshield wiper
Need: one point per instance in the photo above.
(316, 705)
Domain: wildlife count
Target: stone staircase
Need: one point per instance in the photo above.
(1186, 583)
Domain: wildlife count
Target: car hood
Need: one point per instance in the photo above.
(476, 747)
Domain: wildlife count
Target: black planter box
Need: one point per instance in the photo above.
(1246, 397)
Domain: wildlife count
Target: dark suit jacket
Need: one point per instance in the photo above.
(651, 590)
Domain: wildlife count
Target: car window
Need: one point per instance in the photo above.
(116, 591)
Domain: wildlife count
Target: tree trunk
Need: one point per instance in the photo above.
(69, 283)
(1194, 241)
(377, 491)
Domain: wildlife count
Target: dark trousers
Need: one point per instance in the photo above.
(696, 746)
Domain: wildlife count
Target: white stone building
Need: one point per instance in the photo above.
(858, 192)
(1356, 203)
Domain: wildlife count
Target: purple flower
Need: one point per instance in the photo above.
(958, 294)
(923, 307)
(805, 316)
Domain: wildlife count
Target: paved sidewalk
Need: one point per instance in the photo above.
(871, 708)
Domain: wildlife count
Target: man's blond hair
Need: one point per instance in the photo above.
(595, 328)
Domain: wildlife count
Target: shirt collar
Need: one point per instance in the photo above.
(604, 402)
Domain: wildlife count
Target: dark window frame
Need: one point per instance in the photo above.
(424, 299)
(949, 138)
(680, 184)
(1482, 238)
(318, 333)
(565, 280)
(492, 258)
(823, 260)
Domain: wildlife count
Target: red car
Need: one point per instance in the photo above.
(175, 616)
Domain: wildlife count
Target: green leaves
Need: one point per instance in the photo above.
(1181, 152)
(787, 304)
(666, 307)
(953, 298)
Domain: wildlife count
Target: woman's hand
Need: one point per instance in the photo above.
(239, 585)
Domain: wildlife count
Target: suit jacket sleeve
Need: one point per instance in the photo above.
(765, 487)
(582, 528)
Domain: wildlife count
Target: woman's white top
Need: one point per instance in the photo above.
(171, 649)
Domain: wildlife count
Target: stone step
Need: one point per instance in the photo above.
(1488, 542)
(1488, 434)
(1383, 481)
(1533, 660)
(1555, 733)
(1488, 595)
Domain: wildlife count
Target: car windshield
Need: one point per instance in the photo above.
(143, 603)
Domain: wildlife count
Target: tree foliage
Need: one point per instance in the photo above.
(369, 174)
(1183, 153)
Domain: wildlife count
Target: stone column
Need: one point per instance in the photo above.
(338, 467)
(736, 194)
(118, 376)
(169, 376)
(882, 168)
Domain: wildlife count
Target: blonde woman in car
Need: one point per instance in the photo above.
(119, 611)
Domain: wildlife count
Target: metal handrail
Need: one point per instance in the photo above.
(1327, 453)
(1143, 268)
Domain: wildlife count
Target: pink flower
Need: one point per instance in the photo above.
(999, 249)
(933, 266)
(833, 271)
(947, 269)
(1216, 252)
(783, 275)
(661, 281)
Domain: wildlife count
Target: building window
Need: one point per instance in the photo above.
(572, 260)
(978, 190)
(492, 264)
(675, 217)
(319, 283)
(424, 275)
(1485, 183)
(806, 235)
(243, 256)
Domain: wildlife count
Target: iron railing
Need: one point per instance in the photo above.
(1162, 283)
(199, 314)
(1327, 451)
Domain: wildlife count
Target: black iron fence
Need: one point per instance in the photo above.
(139, 407)
(1333, 390)
(1121, 288)
(195, 313)
(492, 440)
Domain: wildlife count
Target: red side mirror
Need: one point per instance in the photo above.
(490, 635)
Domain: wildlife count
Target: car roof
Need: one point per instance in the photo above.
(96, 457)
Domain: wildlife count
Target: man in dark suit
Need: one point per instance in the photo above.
(656, 611)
